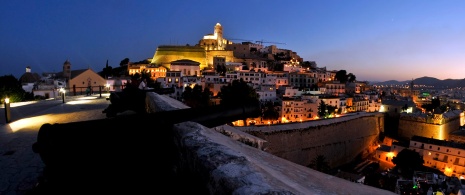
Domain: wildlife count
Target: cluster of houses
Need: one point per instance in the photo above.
(298, 91)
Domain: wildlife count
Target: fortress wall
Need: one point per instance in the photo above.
(164, 55)
(339, 140)
(408, 128)
(208, 162)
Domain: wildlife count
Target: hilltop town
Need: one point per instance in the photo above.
(422, 119)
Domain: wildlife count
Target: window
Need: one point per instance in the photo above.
(439, 148)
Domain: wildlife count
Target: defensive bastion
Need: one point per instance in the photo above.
(219, 164)
(340, 139)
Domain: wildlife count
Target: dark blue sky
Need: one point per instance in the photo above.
(376, 40)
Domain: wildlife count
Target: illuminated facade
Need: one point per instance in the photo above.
(279, 78)
(256, 78)
(81, 79)
(267, 92)
(154, 70)
(187, 67)
(335, 88)
(298, 110)
(303, 79)
(166, 54)
(437, 125)
(446, 156)
(214, 41)
(211, 47)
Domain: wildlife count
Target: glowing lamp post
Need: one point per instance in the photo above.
(7, 110)
(62, 91)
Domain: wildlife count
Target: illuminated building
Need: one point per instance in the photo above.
(209, 49)
(214, 41)
(446, 156)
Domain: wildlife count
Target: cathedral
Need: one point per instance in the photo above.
(206, 52)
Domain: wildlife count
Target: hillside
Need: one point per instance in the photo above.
(428, 81)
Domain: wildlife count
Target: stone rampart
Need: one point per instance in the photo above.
(220, 165)
(340, 140)
(409, 128)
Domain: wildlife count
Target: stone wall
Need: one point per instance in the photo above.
(212, 163)
(340, 140)
(408, 128)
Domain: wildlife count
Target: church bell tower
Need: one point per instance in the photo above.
(67, 70)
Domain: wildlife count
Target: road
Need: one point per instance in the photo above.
(20, 167)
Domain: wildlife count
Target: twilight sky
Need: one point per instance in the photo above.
(377, 40)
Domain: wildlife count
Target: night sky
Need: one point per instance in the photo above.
(377, 40)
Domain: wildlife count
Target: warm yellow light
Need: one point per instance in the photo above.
(107, 85)
(284, 120)
(441, 134)
(390, 154)
(7, 100)
(448, 171)
(382, 109)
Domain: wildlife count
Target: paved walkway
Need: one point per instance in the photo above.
(20, 167)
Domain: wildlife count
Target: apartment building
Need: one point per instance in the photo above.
(446, 156)
(298, 110)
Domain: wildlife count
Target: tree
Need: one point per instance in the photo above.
(195, 97)
(320, 164)
(107, 71)
(124, 62)
(341, 76)
(11, 87)
(220, 69)
(351, 77)
(408, 161)
(322, 110)
(238, 93)
(269, 111)
(309, 64)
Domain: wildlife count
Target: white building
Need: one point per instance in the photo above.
(446, 156)
(267, 93)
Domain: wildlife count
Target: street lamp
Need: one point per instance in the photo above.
(7, 110)
(62, 91)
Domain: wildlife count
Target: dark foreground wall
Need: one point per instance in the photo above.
(208, 162)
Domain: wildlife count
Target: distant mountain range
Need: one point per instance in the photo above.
(427, 81)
